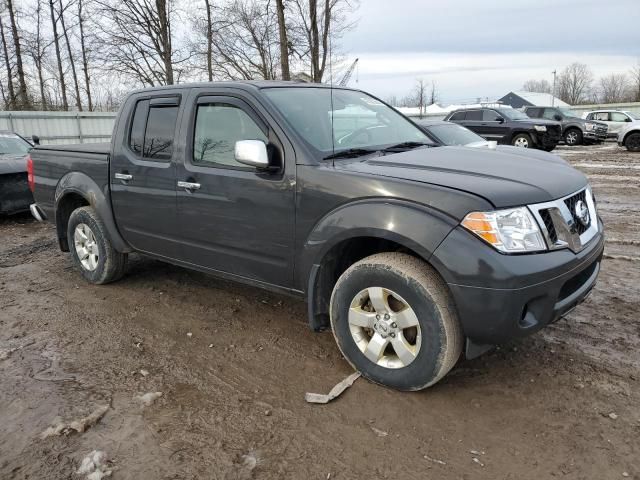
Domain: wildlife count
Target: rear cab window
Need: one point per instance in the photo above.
(153, 128)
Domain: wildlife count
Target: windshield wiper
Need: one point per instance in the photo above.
(350, 153)
(405, 146)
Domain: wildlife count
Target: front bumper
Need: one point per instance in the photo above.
(499, 297)
(548, 139)
(595, 136)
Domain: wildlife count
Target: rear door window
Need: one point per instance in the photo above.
(138, 124)
(474, 115)
(457, 116)
(534, 112)
(158, 136)
(602, 116)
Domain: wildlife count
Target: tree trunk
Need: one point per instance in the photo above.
(71, 61)
(284, 42)
(39, 53)
(12, 93)
(22, 85)
(85, 63)
(315, 46)
(63, 87)
(165, 39)
(209, 41)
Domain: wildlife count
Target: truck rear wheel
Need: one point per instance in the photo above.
(91, 248)
(632, 142)
(394, 321)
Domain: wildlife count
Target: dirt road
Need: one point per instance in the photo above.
(233, 364)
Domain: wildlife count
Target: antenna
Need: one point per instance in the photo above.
(333, 140)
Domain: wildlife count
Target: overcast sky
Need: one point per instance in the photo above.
(485, 48)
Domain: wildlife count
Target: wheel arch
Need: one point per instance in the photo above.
(358, 230)
(628, 134)
(74, 190)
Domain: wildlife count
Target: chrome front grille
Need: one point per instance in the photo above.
(571, 203)
(561, 224)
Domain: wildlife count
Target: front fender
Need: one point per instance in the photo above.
(81, 184)
(411, 225)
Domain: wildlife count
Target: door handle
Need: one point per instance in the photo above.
(189, 185)
(123, 176)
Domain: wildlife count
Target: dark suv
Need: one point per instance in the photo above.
(576, 131)
(509, 126)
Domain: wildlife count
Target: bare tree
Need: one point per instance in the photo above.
(209, 36)
(574, 83)
(420, 92)
(137, 40)
(11, 101)
(246, 44)
(538, 86)
(22, 94)
(56, 42)
(321, 24)
(433, 96)
(85, 62)
(635, 82)
(35, 48)
(284, 42)
(72, 62)
(613, 88)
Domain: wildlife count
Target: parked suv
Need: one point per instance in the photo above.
(509, 126)
(629, 137)
(575, 131)
(615, 119)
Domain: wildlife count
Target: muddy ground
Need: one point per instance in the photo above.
(233, 364)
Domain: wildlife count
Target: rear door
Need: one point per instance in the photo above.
(473, 121)
(143, 176)
(236, 219)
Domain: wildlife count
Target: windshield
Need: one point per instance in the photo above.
(635, 116)
(13, 145)
(454, 134)
(359, 120)
(513, 114)
(568, 113)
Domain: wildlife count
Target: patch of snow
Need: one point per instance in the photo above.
(148, 398)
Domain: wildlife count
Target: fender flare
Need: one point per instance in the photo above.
(81, 184)
(414, 226)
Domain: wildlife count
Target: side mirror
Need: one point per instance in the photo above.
(557, 117)
(36, 139)
(500, 120)
(628, 120)
(252, 153)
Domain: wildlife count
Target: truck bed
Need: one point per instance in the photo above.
(99, 148)
(59, 164)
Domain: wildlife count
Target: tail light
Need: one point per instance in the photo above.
(30, 178)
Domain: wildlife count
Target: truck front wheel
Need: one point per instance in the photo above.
(91, 248)
(394, 321)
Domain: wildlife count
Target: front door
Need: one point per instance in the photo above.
(234, 218)
(492, 126)
(143, 176)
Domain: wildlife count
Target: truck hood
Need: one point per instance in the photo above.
(503, 178)
(12, 164)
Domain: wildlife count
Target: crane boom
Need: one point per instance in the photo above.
(345, 78)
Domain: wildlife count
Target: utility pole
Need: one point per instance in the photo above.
(553, 91)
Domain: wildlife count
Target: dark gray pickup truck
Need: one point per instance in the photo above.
(410, 252)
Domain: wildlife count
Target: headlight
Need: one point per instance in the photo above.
(589, 126)
(540, 128)
(512, 230)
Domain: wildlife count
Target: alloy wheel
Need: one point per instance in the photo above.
(384, 327)
(86, 247)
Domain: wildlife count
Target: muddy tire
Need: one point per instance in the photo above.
(632, 142)
(522, 140)
(394, 320)
(91, 248)
(573, 136)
